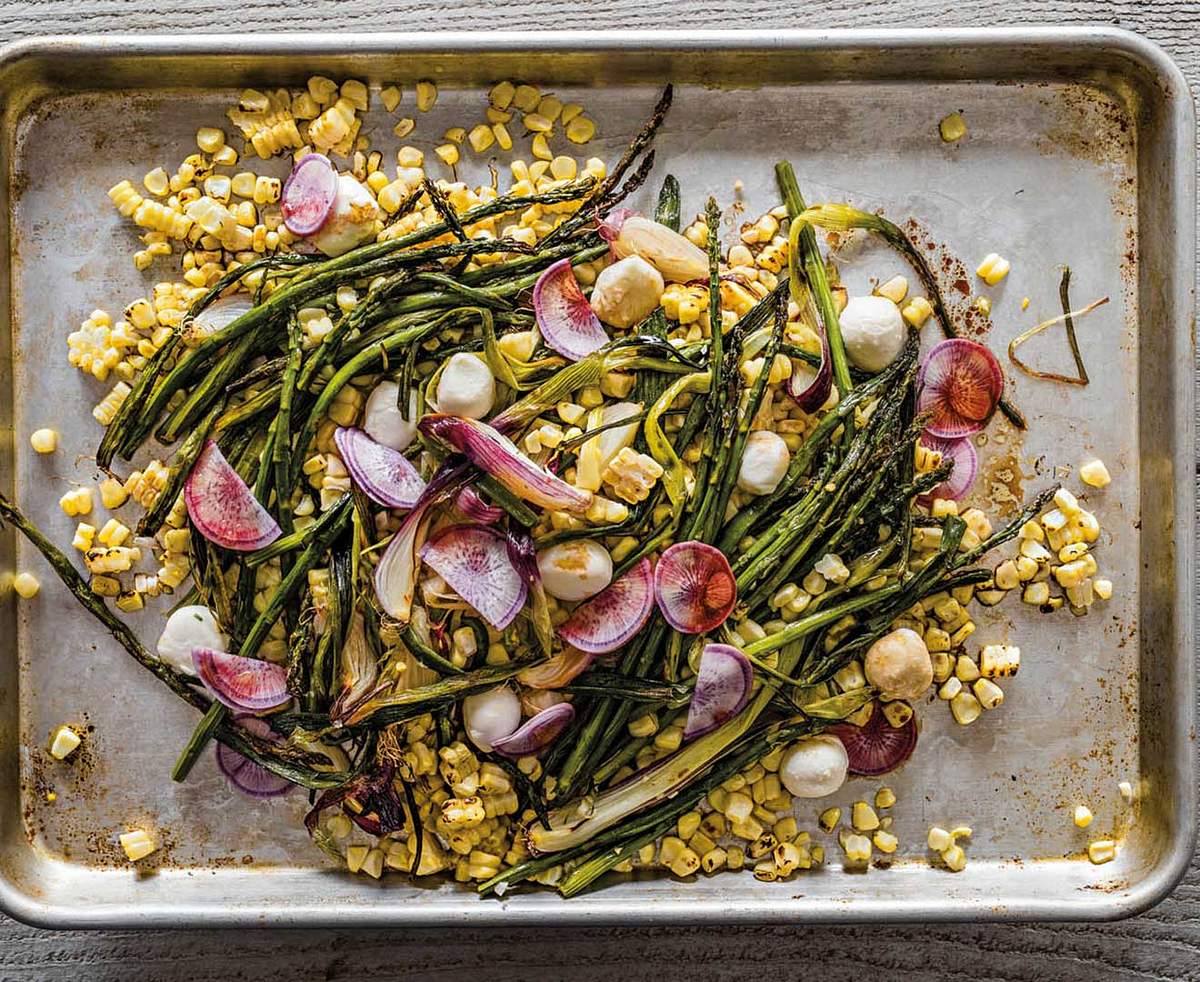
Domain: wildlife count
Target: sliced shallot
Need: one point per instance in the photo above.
(723, 681)
(558, 671)
(960, 453)
(877, 747)
(536, 733)
(223, 508)
(476, 509)
(614, 615)
(610, 225)
(308, 194)
(250, 684)
(694, 587)
(960, 387)
(245, 775)
(384, 475)
(473, 559)
(565, 318)
(218, 314)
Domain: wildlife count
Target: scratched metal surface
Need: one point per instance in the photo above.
(1053, 172)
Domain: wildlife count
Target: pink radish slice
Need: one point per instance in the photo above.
(961, 453)
(242, 772)
(308, 194)
(723, 682)
(242, 683)
(223, 508)
(476, 509)
(491, 451)
(614, 615)
(473, 560)
(385, 475)
(537, 733)
(877, 747)
(694, 587)
(564, 316)
(960, 386)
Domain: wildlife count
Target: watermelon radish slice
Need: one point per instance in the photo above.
(473, 560)
(242, 772)
(723, 681)
(694, 587)
(250, 684)
(384, 475)
(565, 318)
(308, 194)
(223, 508)
(537, 733)
(960, 387)
(960, 453)
(614, 615)
(877, 747)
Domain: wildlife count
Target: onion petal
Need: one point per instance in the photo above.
(877, 747)
(558, 671)
(475, 509)
(537, 733)
(218, 314)
(242, 772)
(960, 453)
(223, 508)
(383, 474)
(473, 559)
(250, 684)
(610, 225)
(565, 318)
(694, 587)
(723, 682)
(496, 454)
(960, 387)
(809, 389)
(614, 615)
(308, 194)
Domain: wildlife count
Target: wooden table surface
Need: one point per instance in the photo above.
(1162, 944)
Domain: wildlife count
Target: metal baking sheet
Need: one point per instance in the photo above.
(1080, 152)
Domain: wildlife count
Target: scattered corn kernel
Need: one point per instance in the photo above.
(1094, 474)
(1082, 816)
(137, 844)
(993, 268)
(64, 742)
(952, 127)
(44, 440)
(1102, 851)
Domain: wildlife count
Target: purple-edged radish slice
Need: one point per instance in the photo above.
(565, 318)
(250, 684)
(960, 387)
(223, 508)
(473, 560)
(960, 453)
(384, 475)
(614, 615)
(723, 682)
(694, 587)
(877, 747)
(308, 194)
(242, 772)
(476, 509)
(491, 451)
(537, 733)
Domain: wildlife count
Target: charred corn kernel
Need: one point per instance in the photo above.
(735, 857)
(965, 707)
(965, 669)
(64, 742)
(897, 713)
(998, 661)
(44, 440)
(943, 662)
(713, 860)
(895, 289)
(885, 797)
(580, 129)
(130, 601)
(1094, 474)
(993, 268)
(952, 127)
(1072, 551)
(917, 311)
(266, 190)
(1103, 588)
(954, 858)
(1082, 816)
(76, 502)
(632, 475)
(1102, 851)
(26, 585)
(448, 152)
(763, 843)
(427, 94)
(829, 818)
(137, 844)
(863, 817)
(989, 694)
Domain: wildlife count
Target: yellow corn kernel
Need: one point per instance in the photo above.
(885, 841)
(993, 268)
(1082, 816)
(1102, 851)
(85, 536)
(125, 198)
(1103, 588)
(540, 148)
(503, 138)
(580, 129)
(917, 311)
(1094, 474)
(44, 440)
(501, 94)
(863, 817)
(999, 660)
(76, 502)
(112, 493)
(856, 847)
(954, 858)
(26, 585)
(524, 97)
(64, 742)
(939, 839)
(448, 152)
(390, 97)
(113, 533)
(989, 694)
(965, 669)
(952, 127)
(427, 94)
(157, 182)
(965, 708)
(885, 797)
(137, 844)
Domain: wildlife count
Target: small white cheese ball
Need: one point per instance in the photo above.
(898, 664)
(384, 422)
(466, 387)
(873, 332)
(764, 462)
(575, 570)
(814, 767)
(627, 292)
(189, 627)
(351, 220)
(491, 715)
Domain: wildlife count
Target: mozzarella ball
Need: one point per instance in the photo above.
(575, 570)
(873, 332)
(898, 664)
(351, 220)
(492, 715)
(466, 387)
(627, 292)
(383, 420)
(189, 627)
(764, 462)
(814, 767)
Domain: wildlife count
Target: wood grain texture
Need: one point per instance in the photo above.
(1162, 944)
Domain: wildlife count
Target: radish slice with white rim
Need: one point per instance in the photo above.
(537, 733)
(223, 508)
(614, 615)
(960, 385)
(877, 747)
(960, 453)
(242, 683)
(383, 474)
(245, 775)
(565, 318)
(473, 560)
(308, 194)
(723, 682)
(694, 587)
